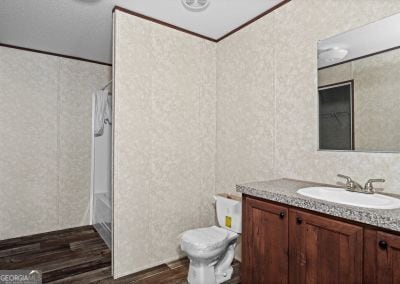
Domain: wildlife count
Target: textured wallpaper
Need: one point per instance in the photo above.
(164, 140)
(45, 112)
(376, 99)
(377, 91)
(245, 106)
(335, 74)
(290, 34)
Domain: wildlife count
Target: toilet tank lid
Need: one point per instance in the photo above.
(204, 238)
(228, 196)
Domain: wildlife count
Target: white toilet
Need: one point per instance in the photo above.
(211, 250)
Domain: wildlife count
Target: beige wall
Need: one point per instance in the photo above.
(335, 74)
(164, 140)
(246, 106)
(376, 99)
(290, 34)
(45, 115)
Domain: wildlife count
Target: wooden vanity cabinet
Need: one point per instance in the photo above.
(322, 250)
(265, 242)
(282, 244)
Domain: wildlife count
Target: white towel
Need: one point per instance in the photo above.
(101, 102)
(109, 109)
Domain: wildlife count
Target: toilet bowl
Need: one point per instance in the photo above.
(211, 250)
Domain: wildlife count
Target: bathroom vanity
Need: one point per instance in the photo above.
(288, 237)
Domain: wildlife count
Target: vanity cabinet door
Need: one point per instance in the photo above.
(265, 242)
(323, 250)
(382, 257)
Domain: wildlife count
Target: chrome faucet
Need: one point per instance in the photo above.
(354, 186)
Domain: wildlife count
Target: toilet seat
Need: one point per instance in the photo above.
(205, 239)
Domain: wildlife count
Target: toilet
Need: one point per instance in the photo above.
(211, 250)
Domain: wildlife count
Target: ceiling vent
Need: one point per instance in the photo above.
(196, 5)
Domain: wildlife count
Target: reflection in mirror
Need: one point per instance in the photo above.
(359, 88)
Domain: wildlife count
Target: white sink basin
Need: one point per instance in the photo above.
(340, 195)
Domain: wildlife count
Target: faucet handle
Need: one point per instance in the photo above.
(348, 179)
(369, 187)
(350, 184)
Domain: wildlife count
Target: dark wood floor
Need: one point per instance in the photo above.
(79, 255)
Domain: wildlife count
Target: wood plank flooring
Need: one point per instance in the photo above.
(79, 255)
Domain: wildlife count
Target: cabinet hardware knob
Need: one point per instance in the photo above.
(383, 245)
(299, 220)
(282, 215)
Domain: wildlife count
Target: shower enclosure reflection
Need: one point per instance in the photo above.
(336, 128)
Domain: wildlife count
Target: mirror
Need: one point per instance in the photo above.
(359, 88)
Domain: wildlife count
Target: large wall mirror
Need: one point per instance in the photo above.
(359, 88)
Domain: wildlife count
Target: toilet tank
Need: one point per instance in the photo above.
(229, 212)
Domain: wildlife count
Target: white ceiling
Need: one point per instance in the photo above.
(374, 37)
(82, 28)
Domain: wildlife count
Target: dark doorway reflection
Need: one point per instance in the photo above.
(336, 117)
